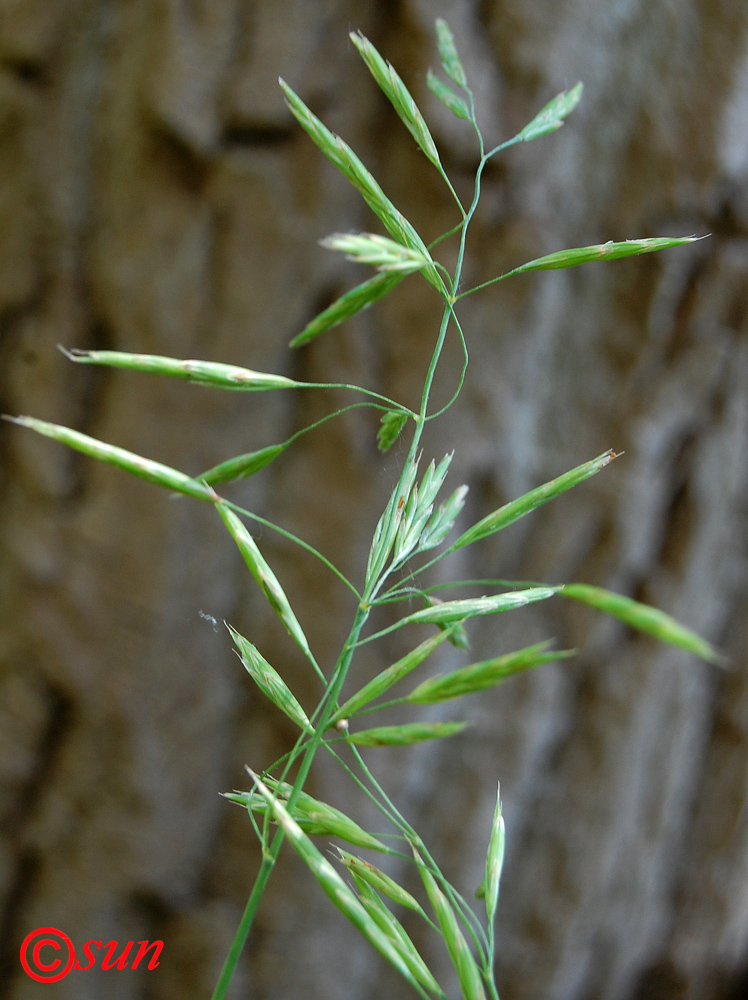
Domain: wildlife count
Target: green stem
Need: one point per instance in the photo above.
(331, 416)
(484, 284)
(398, 594)
(371, 591)
(466, 358)
(330, 698)
(448, 182)
(269, 856)
(444, 236)
(293, 538)
(386, 631)
(490, 959)
(390, 403)
(232, 959)
(461, 907)
(367, 792)
(503, 145)
(379, 707)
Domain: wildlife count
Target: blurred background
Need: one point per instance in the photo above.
(157, 196)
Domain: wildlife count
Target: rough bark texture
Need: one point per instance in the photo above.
(155, 195)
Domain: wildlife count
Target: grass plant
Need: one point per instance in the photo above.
(411, 536)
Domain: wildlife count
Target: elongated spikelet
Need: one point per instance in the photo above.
(486, 674)
(341, 154)
(364, 871)
(465, 965)
(350, 303)
(242, 466)
(451, 62)
(208, 373)
(398, 94)
(406, 734)
(457, 611)
(269, 681)
(644, 618)
(601, 251)
(395, 931)
(381, 252)
(128, 461)
(447, 96)
(494, 859)
(551, 117)
(513, 511)
(385, 680)
(266, 578)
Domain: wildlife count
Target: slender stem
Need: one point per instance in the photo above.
(386, 631)
(398, 595)
(374, 587)
(269, 856)
(331, 416)
(444, 236)
(378, 707)
(489, 978)
(232, 959)
(371, 591)
(468, 219)
(391, 404)
(432, 368)
(458, 390)
(490, 959)
(474, 122)
(253, 821)
(448, 182)
(503, 145)
(367, 792)
(427, 565)
(484, 284)
(293, 538)
(459, 904)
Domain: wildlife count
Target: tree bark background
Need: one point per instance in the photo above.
(156, 195)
